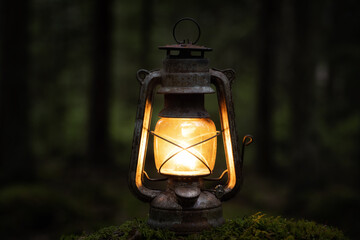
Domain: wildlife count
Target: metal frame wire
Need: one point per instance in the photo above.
(185, 149)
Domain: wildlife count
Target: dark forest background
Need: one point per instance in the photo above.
(68, 98)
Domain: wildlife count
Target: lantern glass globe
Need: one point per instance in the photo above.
(185, 146)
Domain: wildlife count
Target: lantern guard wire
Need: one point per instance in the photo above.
(185, 149)
(153, 179)
(219, 178)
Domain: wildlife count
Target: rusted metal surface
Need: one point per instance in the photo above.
(185, 208)
(187, 195)
(148, 80)
(223, 80)
(185, 47)
(185, 76)
(185, 72)
(226, 109)
(184, 106)
(185, 221)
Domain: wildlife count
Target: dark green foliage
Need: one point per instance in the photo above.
(33, 208)
(255, 227)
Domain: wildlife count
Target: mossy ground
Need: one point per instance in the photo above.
(255, 227)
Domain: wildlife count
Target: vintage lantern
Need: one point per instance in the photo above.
(185, 140)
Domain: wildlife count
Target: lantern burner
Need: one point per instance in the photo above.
(185, 207)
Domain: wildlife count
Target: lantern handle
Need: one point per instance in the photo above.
(183, 41)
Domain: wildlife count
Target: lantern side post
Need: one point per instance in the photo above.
(222, 81)
(148, 81)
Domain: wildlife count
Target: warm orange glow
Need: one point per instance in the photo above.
(228, 146)
(173, 150)
(143, 144)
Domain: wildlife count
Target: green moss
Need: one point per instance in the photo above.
(255, 227)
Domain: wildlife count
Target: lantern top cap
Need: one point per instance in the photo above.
(185, 47)
(189, 47)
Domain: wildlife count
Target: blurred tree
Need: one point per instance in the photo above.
(268, 35)
(302, 106)
(147, 19)
(15, 159)
(98, 140)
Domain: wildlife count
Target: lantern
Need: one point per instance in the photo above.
(185, 140)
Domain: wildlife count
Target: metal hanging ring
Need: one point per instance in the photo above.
(191, 20)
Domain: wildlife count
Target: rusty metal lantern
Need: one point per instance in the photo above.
(185, 140)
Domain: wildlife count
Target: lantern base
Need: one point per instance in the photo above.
(185, 214)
